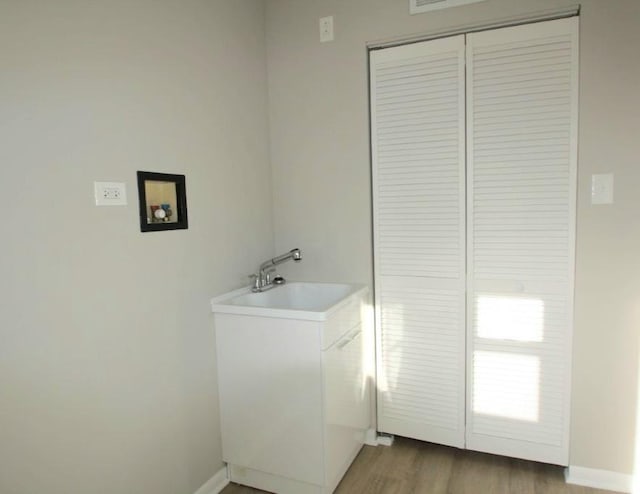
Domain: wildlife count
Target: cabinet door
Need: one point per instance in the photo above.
(521, 124)
(418, 163)
(270, 388)
(346, 395)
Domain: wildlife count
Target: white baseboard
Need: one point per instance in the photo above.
(372, 438)
(598, 479)
(216, 483)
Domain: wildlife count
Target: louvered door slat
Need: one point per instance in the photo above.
(417, 106)
(521, 104)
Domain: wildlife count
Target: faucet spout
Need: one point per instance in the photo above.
(263, 279)
(293, 254)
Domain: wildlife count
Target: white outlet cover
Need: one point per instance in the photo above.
(110, 193)
(326, 29)
(602, 188)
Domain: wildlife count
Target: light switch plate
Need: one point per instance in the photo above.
(110, 193)
(602, 188)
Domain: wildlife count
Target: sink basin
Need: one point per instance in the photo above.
(293, 300)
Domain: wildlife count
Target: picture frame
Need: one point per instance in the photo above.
(162, 201)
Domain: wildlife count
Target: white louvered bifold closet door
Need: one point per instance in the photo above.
(521, 181)
(417, 110)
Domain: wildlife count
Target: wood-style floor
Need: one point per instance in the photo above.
(414, 467)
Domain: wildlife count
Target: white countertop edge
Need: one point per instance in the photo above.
(217, 307)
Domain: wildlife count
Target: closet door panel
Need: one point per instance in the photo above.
(417, 110)
(521, 179)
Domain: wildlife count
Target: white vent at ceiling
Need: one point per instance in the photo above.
(420, 6)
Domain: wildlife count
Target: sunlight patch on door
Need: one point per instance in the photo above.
(500, 317)
(391, 355)
(506, 385)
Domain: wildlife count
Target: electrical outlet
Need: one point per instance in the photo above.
(602, 188)
(110, 193)
(326, 29)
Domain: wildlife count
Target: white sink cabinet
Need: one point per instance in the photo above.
(294, 397)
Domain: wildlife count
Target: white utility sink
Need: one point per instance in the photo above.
(294, 394)
(293, 300)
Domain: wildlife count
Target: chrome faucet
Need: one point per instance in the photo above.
(262, 280)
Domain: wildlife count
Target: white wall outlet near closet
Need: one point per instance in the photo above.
(326, 29)
(602, 188)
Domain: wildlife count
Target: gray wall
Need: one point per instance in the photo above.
(320, 159)
(107, 374)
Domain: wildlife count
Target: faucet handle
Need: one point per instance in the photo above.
(267, 275)
(255, 281)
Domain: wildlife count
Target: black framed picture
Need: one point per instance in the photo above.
(163, 202)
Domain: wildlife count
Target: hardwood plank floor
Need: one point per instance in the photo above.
(415, 467)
